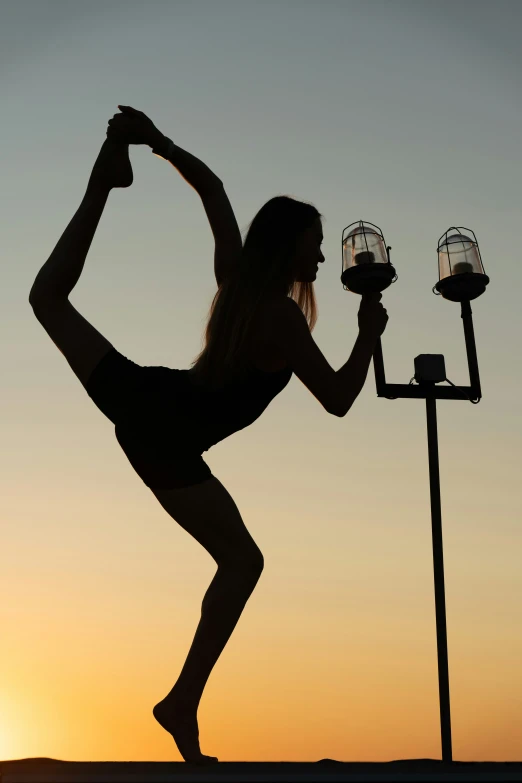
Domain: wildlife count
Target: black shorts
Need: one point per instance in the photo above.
(148, 406)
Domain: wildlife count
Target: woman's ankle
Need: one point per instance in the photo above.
(181, 697)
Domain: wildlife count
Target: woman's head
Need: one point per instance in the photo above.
(284, 243)
(280, 255)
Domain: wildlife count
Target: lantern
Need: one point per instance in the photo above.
(366, 266)
(461, 272)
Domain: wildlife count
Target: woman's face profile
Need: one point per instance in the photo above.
(308, 253)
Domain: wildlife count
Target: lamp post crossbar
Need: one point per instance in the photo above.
(394, 391)
(398, 390)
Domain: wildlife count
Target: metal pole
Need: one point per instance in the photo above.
(438, 573)
(471, 350)
(378, 366)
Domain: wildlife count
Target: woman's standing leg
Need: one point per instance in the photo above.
(209, 514)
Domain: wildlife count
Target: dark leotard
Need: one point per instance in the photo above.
(218, 414)
(163, 419)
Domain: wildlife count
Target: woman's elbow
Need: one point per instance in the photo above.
(336, 411)
(341, 410)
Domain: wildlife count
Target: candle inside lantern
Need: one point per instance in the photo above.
(364, 257)
(461, 268)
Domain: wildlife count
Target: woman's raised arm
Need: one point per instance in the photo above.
(135, 127)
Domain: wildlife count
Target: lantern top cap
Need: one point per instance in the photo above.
(361, 229)
(458, 234)
(458, 238)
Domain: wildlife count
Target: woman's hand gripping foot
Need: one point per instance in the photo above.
(112, 168)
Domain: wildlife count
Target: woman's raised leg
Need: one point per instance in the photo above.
(209, 514)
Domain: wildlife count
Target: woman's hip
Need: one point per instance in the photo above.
(162, 465)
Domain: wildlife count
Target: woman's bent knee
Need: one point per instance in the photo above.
(249, 563)
(210, 515)
(255, 563)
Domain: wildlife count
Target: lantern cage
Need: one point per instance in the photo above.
(461, 272)
(366, 266)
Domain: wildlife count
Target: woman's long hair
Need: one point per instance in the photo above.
(266, 264)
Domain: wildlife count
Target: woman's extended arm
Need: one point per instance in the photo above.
(136, 128)
(193, 170)
(335, 390)
(227, 237)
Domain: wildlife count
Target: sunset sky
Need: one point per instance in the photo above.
(405, 113)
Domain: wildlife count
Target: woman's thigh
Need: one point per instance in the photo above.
(208, 512)
(162, 457)
(147, 406)
(113, 384)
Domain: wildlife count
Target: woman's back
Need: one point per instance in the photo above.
(220, 412)
(261, 350)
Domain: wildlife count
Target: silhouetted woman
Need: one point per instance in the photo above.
(257, 335)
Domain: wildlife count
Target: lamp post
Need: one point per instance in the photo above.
(366, 268)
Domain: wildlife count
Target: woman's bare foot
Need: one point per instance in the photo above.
(181, 721)
(112, 166)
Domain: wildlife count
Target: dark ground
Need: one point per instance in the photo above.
(43, 770)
